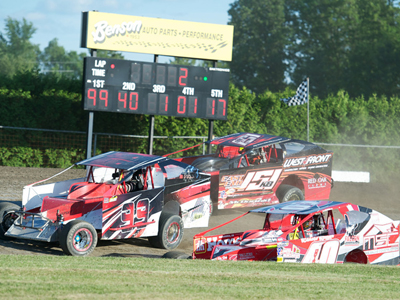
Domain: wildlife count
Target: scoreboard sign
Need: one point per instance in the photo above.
(156, 36)
(155, 89)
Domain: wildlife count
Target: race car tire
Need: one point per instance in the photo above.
(176, 255)
(78, 238)
(7, 217)
(170, 232)
(356, 256)
(287, 192)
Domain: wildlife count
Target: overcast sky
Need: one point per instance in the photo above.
(61, 19)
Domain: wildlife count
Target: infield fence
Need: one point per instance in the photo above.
(32, 147)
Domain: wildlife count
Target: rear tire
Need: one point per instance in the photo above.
(78, 238)
(287, 192)
(7, 217)
(170, 232)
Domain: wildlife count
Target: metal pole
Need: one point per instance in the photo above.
(308, 109)
(93, 53)
(151, 124)
(211, 123)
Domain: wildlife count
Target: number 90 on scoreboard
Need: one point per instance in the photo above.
(155, 89)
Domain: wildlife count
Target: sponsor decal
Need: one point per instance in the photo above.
(317, 238)
(103, 30)
(307, 160)
(246, 256)
(352, 240)
(232, 180)
(293, 252)
(203, 245)
(317, 183)
(246, 201)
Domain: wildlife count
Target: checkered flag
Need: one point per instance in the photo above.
(301, 96)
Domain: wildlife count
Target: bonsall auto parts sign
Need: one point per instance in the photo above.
(156, 36)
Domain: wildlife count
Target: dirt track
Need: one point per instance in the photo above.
(383, 198)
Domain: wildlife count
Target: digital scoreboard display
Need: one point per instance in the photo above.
(124, 86)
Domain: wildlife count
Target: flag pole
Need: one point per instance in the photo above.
(308, 109)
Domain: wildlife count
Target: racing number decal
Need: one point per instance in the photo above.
(322, 252)
(261, 180)
(137, 212)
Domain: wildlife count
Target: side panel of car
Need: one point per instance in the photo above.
(257, 185)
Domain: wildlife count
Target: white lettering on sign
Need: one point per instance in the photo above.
(98, 83)
(99, 72)
(99, 63)
(188, 91)
(130, 86)
(158, 88)
(104, 30)
(217, 93)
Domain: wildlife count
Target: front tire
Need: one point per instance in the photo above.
(78, 238)
(7, 217)
(170, 232)
(287, 192)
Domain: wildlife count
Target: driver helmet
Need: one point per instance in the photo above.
(308, 224)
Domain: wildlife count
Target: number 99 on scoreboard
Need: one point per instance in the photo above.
(155, 89)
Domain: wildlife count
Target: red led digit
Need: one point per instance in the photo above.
(122, 99)
(183, 73)
(103, 95)
(223, 103)
(210, 112)
(91, 94)
(163, 108)
(192, 106)
(181, 109)
(133, 101)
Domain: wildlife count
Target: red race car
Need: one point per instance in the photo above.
(249, 170)
(124, 195)
(307, 232)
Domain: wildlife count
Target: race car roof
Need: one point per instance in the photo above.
(122, 160)
(247, 140)
(300, 207)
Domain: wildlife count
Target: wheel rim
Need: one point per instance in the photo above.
(82, 240)
(173, 232)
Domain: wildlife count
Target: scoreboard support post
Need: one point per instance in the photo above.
(151, 123)
(89, 142)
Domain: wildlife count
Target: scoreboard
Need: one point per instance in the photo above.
(124, 86)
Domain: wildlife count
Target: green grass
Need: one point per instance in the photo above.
(55, 277)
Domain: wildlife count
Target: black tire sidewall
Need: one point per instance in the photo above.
(6, 208)
(287, 191)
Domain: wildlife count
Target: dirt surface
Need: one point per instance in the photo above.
(382, 198)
